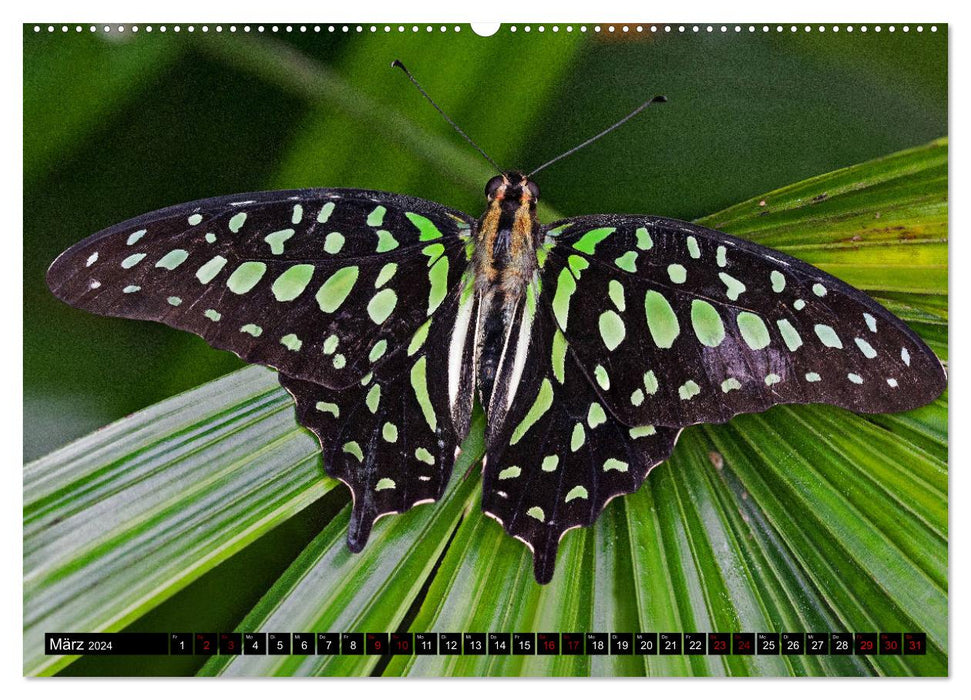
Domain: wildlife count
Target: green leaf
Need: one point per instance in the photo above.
(67, 69)
(119, 521)
(799, 519)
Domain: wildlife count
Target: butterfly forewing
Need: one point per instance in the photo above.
(350, 294)
(319, 284)
(675, 324)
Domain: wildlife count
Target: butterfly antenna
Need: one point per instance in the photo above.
(398, 64)
(656, 98)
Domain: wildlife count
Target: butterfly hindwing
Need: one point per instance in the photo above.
(315, 283)
(676, 324)
(560, 455)
(389, 436)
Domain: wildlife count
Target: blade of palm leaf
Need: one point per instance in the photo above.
(657, 596)
(898, 477)
(785, 596)
(925, 308)
(781, 597)
(857, 221)
(921, 269)
(613, 606)
(789, 598)
(120, 520)
(481, 574)
(563, 607)
(687, 578)
(482, 568)
(907, 209)
(924, 427)
(839, 599)
(462, 597)
(881, 544)
(746, 216)
(329, 588)
(798, 506)
(728, 604)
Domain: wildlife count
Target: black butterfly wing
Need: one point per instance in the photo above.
(675, 324)
(389, 436)
(352, 295)
(559, 456)
(314, 283)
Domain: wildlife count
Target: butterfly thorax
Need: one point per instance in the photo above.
(506, 237)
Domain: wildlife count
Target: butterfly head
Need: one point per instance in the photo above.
(512, 189)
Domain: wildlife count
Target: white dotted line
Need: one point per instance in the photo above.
(414, 28)
(303, 28)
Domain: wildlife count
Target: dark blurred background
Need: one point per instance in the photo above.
(119, 124)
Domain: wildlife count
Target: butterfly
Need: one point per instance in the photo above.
(589, 342)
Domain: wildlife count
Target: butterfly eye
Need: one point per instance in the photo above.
(533, 189)
(493, 185)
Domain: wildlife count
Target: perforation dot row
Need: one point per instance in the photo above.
(610, 28)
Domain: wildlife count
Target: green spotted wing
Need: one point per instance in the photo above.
(675, 324)
(640, 326)
(345, 292)
(560, 456)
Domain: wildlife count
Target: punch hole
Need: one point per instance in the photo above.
(485, 28)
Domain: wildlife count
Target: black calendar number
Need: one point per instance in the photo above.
(915, 643)
(449, 643)
(572, 644)
(206, 643)
(597, 643)
(426, 643)
(376, 643)
(547, 643)
(622, 643)
(254, 642)
(303, 643)
(817, 643)
(841, 643)
(669, 643)
(402, 643)
(767, 643)
(645, 643)
(743, 643)
(352, 643)
(523, 643)
(474, 643)
(278, 643)
(180, 643)
(230, 643)
(500, 644)
(890, 643)
(328, 643)
(719, 643)
(695, 643)
(866, 642)
(793, 643)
